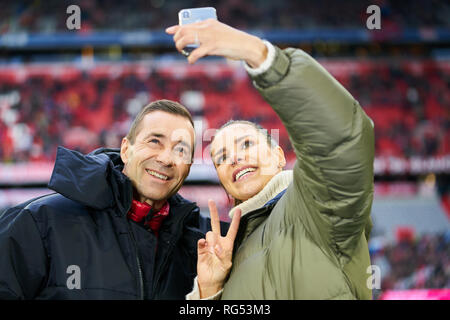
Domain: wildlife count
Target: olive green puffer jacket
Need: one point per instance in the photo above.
(312, 242)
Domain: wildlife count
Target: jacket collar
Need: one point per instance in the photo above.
(273, 188)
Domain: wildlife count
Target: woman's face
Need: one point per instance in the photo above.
(244, 161)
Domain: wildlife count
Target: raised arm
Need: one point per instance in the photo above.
(334, 143)
(332, 136)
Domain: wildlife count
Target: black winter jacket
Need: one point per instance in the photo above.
(78, 243)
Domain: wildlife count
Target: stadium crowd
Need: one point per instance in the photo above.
(410, 110)
(85, 110)
(50, 16)
(414, 262)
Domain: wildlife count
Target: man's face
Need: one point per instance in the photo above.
(160, 159)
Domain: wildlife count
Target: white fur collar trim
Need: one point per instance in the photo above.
(278, 183)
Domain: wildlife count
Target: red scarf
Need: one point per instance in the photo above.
(140, 210)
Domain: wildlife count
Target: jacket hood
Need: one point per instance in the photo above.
(86, 178)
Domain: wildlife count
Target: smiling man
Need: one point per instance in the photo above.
(157, 154)
(115, 228)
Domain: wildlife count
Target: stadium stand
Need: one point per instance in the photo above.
(407, 101)
(414, 262)
(39, 16)
(60, 88)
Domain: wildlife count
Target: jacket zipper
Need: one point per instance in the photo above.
(166, 257)
(138, 261)
(163, 265)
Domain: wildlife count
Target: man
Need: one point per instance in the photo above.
(116, 227)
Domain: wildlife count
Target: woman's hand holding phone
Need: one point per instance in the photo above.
(218, 39)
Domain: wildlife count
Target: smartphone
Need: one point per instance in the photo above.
(192, 15)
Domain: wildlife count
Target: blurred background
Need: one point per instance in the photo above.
(82, 88)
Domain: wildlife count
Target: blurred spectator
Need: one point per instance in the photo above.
(414, 263)
(87, 109)
(50, 15)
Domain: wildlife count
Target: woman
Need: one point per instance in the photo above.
(303, 233)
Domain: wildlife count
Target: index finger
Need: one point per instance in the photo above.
(172, 29)
(215, 221)
(234, 226)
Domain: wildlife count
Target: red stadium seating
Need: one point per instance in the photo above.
(44, 106)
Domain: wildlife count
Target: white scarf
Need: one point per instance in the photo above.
(278, 183)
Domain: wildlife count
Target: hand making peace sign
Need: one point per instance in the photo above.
(215, 253)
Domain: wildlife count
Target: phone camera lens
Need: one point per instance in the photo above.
(186, 14)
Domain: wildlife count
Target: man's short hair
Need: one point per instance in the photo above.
(158, 105)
